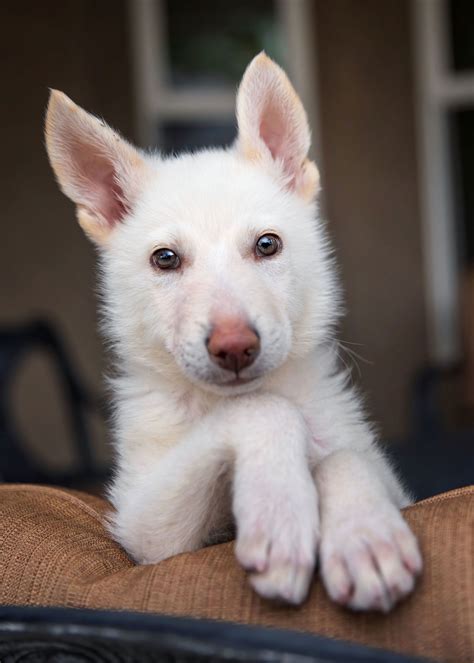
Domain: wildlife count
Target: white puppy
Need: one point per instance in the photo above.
(220, 300)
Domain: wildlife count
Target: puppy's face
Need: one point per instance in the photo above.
(213, 263)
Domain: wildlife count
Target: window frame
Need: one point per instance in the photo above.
(439, 90)
(155, 101)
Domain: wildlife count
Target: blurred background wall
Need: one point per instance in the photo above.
(47, 265)
(366, 97)
(353, 62)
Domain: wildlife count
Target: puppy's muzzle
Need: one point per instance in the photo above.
(233, 344)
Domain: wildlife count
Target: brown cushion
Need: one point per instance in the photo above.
(54, 551)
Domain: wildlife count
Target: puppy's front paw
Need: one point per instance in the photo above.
(369, 561)
(277, 544)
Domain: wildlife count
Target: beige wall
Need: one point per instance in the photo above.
(370, 183)
(46, 265)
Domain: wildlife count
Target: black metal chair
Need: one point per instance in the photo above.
(93, 636)
(16, 345)
(434, 458)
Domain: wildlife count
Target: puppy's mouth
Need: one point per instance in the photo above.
(234, 385)
(238, 381)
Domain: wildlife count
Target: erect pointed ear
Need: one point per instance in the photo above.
(273, 127)
(94, 166)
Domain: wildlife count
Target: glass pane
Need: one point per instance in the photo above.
(461, 29)
(462, 126)
(178, 136)
(210, 42)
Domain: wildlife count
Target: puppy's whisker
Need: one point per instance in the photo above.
(353, 356)
(348, 368)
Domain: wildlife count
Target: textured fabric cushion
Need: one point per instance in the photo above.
(55, 551)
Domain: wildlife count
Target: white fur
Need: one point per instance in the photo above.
(288, 455)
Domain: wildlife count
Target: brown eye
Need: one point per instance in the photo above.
(165, 259)
(267, 245)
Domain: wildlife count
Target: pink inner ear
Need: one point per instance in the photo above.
(274, 131)
(271, 131)
(105, 194)
(114, 206)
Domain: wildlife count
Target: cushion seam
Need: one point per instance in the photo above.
(58, 492)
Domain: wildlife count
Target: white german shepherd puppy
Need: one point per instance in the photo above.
(221, 301)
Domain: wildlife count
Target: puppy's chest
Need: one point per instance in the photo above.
(153, 422)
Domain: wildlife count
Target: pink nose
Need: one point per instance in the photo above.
(233, 345)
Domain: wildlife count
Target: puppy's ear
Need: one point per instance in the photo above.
(273, 127)
(94, 166)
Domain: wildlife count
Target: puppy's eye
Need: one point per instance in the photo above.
(165, 259)
(267, 245)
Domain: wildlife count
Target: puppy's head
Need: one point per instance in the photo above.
(214, 264)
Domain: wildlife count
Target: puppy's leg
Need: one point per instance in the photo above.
(275, 499)
(175, 506)
(260, 444)
(369, 557)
